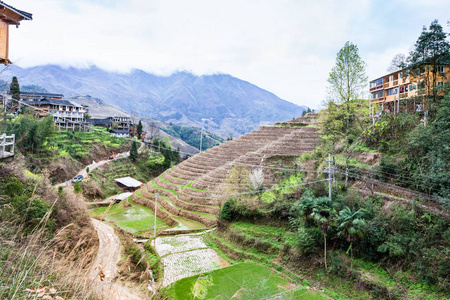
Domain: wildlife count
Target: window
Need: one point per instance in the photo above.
(440, 84)
(391, 78)
(391, 92)
(412, 87)
(440, 69)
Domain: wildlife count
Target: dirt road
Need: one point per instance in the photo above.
(106, 264)
(93, 166)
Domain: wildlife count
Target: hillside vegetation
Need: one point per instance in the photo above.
(383, 233)
(191, 136)
(61, 153)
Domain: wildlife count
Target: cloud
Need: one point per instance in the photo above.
(285, 46)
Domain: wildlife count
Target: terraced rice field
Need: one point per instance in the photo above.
(242, 281)
(137, 219)
(194, 188)
(184, 256)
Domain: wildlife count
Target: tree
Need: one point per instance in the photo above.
(351, 225)
(257, 179)
(237, 180)
(225, 212)
(428, 154)
(347, 80)
(320, 211)
(139, 130)
(309, 110)
(134, 152)
(430, 50)
(322, 214)
(153, 131)
(14, 88)
(397, 63)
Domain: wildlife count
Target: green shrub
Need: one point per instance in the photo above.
(307, 239)
(76, 187)
(13, 187)
(225, 212)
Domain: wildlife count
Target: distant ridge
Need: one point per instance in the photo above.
(220, 103)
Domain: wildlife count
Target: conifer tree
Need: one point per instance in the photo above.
(430, 50)
(14, 88)
(139, 130)
(134, 152)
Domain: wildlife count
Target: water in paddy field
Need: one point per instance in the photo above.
(135, 219)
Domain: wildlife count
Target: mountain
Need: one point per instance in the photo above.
(220, 103)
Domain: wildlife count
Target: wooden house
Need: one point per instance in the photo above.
(405, 90)
(66, 114)
(9, 16)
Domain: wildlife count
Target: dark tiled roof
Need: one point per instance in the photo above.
(52, 102)
(46, 95)
(100, 121)
(24, 14)
(119, 131)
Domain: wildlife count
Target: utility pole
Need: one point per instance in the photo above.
(156, 207)
(201, 136)
(329, 176)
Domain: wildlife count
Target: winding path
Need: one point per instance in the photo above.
(95, 165)
(106, 265)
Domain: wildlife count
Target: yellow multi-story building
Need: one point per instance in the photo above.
(404, 90)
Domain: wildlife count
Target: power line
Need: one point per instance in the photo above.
(355, 175)
(225, 162)
(268, 190)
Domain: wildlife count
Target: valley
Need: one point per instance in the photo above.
(134, 166)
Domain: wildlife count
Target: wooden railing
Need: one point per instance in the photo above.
(4, 143)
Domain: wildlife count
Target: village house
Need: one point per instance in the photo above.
(66, 114)
(120, 133)
(9, 16)
(405, 90)
(120, 126)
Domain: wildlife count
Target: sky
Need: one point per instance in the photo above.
(287, 47)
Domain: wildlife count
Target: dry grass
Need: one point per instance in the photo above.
(33, 261)
(38, 264)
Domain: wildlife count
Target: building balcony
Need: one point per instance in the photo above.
(392, 97)
(375, 88)
(378, 100)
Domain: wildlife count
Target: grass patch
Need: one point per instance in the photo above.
(246, 280)
(276, 236)
(340, 161)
